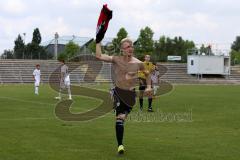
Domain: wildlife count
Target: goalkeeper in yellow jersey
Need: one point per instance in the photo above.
(149, 67)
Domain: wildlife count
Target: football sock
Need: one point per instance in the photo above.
(119, 131)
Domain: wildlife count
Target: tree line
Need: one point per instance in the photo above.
(32, 50)
(165, 46)
(144, 44)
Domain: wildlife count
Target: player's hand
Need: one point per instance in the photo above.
(146, 72)
(148, 92)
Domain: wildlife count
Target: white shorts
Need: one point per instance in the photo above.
(65, 83)
(36, 83)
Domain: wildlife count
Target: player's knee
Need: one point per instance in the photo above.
(121, 116)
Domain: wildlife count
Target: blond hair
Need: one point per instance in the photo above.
(127, 39)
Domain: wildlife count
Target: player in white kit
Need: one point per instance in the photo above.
(37, 78)
(155, 75)
(64, 80)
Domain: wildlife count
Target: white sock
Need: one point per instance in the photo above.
(69, 93)
(36, 90)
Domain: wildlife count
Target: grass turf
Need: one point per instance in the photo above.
(30, 130)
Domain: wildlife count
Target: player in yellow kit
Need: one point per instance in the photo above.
(149, 67)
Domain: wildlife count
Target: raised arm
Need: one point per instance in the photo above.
(100, 56)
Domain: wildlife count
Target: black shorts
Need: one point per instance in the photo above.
(124, 100)
(142, 84)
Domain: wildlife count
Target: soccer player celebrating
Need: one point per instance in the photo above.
(125, 70)
(37, 78)
(64, 80)
(149, 67)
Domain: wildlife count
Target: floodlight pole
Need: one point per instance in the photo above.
(24, 37)
(56, 36)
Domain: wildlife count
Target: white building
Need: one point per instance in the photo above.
(208, 64)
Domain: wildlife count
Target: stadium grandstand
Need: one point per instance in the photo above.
(20, 70)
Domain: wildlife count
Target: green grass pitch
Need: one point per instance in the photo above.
(29, 129)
